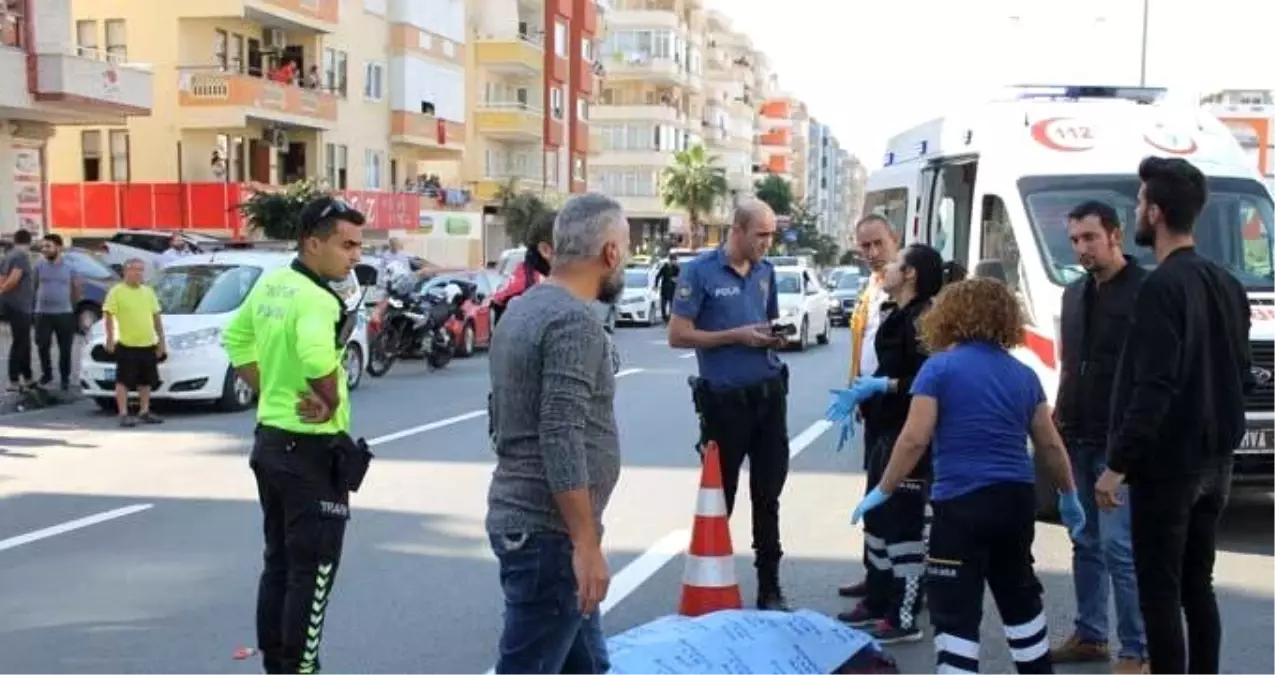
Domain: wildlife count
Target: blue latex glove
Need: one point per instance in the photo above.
(874, 499)
(1072, 513)
(870, 386)
(843, 403)
(847, 432)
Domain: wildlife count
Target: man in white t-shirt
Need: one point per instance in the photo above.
(878, 245)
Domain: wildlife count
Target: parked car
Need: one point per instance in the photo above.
(198, 296)
(845, 293)
(640, 301)
(147, 245)
(473, 332)
(803, 305)
(509, 261)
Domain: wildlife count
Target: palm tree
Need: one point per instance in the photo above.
(693, 183)
(520, 209)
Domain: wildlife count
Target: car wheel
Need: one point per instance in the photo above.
(106, 404)
(468, 338)
(803, 340)
(823, 337)
(353, 365)
(86, 315)
(236, 395)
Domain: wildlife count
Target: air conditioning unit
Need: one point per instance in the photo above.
(274, 39)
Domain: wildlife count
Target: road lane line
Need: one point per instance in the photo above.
(72, 525)
(463, 417)
(688, 355)
(676, 542)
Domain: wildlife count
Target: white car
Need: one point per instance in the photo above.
(803, 305)
(198, 296)
(640, 301)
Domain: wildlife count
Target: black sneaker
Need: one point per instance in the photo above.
(861, 616)
(772, 600)
(887, 634)
(128, 421)
(856, 590)
(150, 418)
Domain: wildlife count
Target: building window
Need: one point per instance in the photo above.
(577, 169)
(582, 110)
(116, 40)
(86, 38)
(91, 155)
(334, 71)
(221, 43)
(449, 49)
(373, 81)
(560, 39)
(236, 53)
(586, 49)
(425, 41)
(555, 102)
(372, 167)
(336, 165)
(119, 156)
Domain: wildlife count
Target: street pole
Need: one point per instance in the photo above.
(1146, 11)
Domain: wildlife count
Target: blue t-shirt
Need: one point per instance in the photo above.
(986, 400)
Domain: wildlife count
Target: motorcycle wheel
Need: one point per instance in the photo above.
(381, 352)
(441, 354)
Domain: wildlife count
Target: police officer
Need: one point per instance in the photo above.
(666, 279)
(724, 302)
(287, 341)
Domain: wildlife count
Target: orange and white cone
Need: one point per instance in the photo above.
(709, 584)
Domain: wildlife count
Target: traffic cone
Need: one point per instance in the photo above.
(709, 584)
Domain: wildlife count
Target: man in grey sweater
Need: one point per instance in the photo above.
(557, 447)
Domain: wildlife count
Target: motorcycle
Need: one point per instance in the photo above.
(411, 324)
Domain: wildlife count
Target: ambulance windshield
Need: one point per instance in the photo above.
(1235, 230)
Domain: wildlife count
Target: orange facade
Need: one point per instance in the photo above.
(212, 89)
(780, 109)
(777, 137)
(426, 126)
(779, 164)
(199, 206)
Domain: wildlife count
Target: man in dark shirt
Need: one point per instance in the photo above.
(1095, 321)
(1177, 415)
(666, 279)
(17, 298)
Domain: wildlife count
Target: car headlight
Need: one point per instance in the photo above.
(635, 300)
(789, 313)
(194, 339)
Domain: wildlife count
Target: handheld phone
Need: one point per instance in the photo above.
(782, 330)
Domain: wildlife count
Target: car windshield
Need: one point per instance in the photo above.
(788, 282)
(88, 266)
(636, 278)
(204, 289)
(1234, 231)
(848, 281)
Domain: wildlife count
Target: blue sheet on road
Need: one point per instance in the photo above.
(737, 641)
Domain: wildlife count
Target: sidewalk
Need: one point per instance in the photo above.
(9, 400)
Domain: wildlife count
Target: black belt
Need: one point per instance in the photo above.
(352, 456)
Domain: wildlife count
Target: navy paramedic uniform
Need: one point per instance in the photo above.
(741, 392)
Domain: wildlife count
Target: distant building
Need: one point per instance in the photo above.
(1250, 114)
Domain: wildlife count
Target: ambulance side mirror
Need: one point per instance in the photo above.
(992, 268)
(366, 274)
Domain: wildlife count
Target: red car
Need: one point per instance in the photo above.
(473, 332)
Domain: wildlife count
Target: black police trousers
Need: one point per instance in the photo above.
(985, 537)
(751, 423)
(894, 540)
(305, 506)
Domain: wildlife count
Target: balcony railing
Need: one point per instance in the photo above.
(510, 105)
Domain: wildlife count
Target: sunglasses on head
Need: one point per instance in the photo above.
(335, 207)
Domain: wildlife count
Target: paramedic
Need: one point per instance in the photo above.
(893, 602)
(878, 245)
(724, 302)
(286, 342)
(979, 405)
(1179, 415)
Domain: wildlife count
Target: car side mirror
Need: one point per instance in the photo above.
(366, 275)
(992, 268)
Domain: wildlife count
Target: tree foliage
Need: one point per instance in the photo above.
(777, 193)
(694, 183)
(802, 234)
(521, 210)
(277, 213)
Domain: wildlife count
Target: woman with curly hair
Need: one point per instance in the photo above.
(978, 406)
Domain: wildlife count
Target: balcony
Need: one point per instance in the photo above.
(86, 84)
(512, 55)
(645, 14)
(320, 16)
(427, 132)
(645, 67)
(526, 171)
(217, 100)
(638, 113)
(510, 120)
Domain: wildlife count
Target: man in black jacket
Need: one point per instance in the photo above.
(1178, 414)
(1095, 321)
(666, 279)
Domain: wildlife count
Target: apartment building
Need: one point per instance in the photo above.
(47, 82)
(730, 113)
(775, 150)
(652, 104)
(1250, 114)
(533, 75)
(852, 188)
(822, 177)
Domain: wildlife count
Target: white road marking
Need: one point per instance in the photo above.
(688, 355)
(463, 417)
(676, 542)
(72, 525)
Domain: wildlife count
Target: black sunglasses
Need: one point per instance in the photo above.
(335, 207)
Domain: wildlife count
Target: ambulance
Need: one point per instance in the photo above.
(991, 185)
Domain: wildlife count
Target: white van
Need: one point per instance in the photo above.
(991, 188)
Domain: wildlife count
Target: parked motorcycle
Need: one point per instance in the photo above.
(411, 324)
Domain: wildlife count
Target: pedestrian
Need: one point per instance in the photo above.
(878, 246)
(893, 600)
(725, 301)
(533, 268)
(17, 297)
(1178, 415)
(1096, 310)
(975, 406)
(177, 249)
(135, 337)
(557, 447)
(57, 291)
(287, 342)
(666, 279)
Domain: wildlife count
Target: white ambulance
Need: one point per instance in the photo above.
(991, 186)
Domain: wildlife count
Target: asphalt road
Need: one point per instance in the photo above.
(138, 550)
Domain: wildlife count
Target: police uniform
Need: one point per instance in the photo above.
(294, 327)
(741, 395)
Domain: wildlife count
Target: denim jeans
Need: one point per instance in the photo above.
(1102, 559)
(544, 631)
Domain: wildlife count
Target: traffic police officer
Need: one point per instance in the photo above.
(724, 302)
(287, 341)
